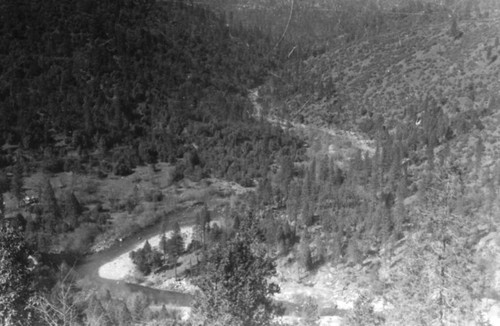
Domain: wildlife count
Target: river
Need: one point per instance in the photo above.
(88, 267)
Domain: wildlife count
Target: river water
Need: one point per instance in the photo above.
(88, 267)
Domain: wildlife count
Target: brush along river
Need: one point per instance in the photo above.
(97, 266)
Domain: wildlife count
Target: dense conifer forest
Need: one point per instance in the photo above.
(248, 149)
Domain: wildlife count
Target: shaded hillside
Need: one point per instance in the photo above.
(107, 85)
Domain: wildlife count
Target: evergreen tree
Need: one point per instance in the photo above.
(175, 246)
(286, 173)
(203, 221)
(51, 213)
(305, 257)
(234, 288)
(324, 170)
(72, 210)
(2, 208)
(163, 315)
(146, 259)
(307, 214)
(16, 185)
(236, 223)
(281, 241)
(139, 306)
(454, 32)
(294, 202)
(336, 246)
(479, 153)
(163, 245)
(177, 242)
(147, 248)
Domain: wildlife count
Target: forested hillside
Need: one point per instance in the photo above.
(134, 82)
(413, 208)
(332, 161)
(98, 89)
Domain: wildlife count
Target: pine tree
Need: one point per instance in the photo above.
(145, 259)
(16, 185)
(286, 173)
(454, 32)
(294, 202)
(336, 246)
(479, 153)
(72, 210)
(234, 289)
(281, 241)
(163, 315)
(163, 245)
(175, 246)
(307, 214)
(147, 248)
(2, 208)
(400, 215)
(305, 257)
(203, 221)
(236, 223)
(51, 213)
(139, 306)
(177, 241)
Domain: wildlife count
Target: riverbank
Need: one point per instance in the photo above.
(123, 269)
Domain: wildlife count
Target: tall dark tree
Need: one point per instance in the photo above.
(51, 212)
(163, 245)
(175, 246)
(177, 242)
(16, 185)
(305, 256)
(203, 223)
(72, 210)
(2, 208)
